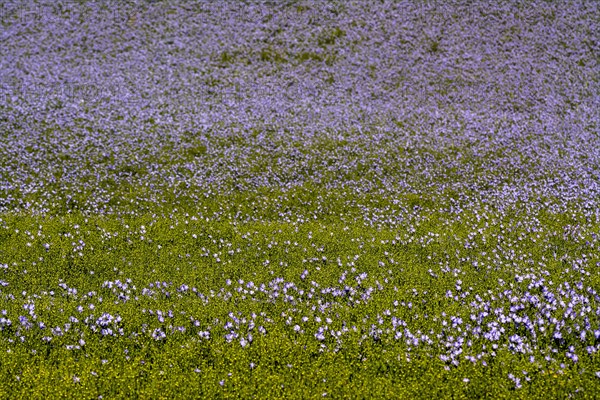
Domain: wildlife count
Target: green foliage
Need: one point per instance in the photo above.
(282, 363)
(329, 37)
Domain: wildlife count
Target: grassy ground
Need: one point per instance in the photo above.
(263, 292)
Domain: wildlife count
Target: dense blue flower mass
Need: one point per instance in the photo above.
(217, 96)
(351, 179)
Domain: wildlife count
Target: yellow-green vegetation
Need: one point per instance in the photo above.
(205, 304)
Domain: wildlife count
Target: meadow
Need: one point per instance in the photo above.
(299, 199)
